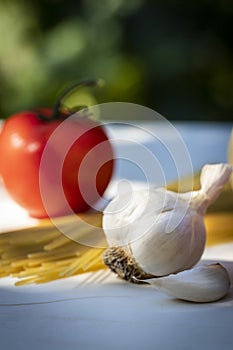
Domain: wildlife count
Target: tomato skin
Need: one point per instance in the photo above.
(23, 140)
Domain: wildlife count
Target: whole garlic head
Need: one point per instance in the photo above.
(156, 232)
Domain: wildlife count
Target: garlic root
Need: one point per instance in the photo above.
(124, 265)
(201, 284)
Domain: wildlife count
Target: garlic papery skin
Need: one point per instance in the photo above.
(202, 284)
(136, 227)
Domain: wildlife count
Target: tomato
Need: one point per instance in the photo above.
(53, 163)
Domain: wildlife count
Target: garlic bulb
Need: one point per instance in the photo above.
(155, 232)
(202, 284)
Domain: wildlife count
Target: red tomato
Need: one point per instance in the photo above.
(54, 167)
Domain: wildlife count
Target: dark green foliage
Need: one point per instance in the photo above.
(171, 55)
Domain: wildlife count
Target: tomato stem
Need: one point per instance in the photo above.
(60, 111)
(70, 90)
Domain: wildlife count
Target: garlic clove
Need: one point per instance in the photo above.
(202, 284)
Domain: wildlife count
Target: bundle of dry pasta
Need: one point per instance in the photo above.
(43, 253)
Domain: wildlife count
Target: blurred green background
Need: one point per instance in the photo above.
(173, 56)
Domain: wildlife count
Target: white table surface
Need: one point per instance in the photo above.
(112, 314)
